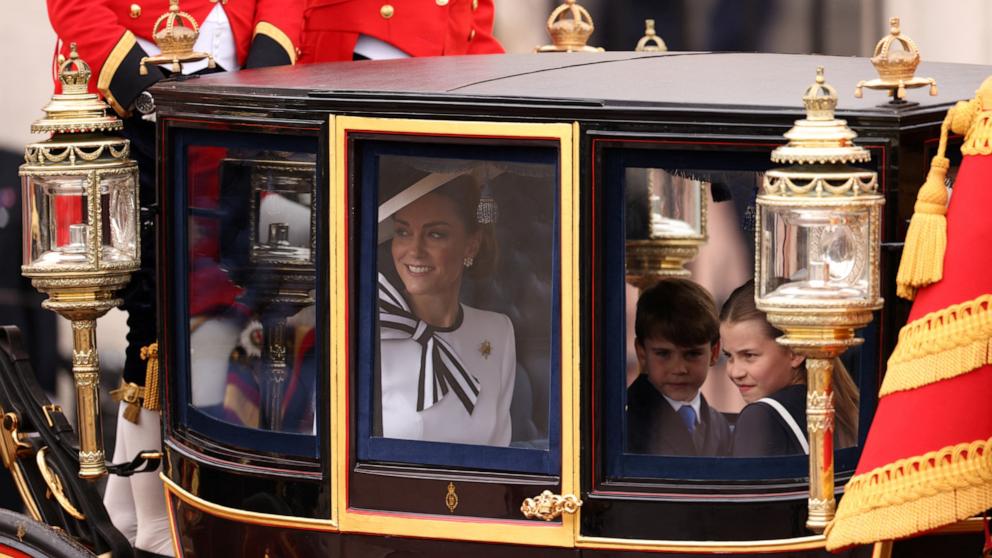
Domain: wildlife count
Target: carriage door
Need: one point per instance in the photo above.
(453, 300)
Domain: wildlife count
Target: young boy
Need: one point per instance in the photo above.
(677, 340)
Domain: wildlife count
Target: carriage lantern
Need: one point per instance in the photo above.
(282, 272)
(80, 231)
(676, 227)
(818, 243)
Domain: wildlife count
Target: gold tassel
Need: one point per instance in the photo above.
(922, 261)
(926, 240)
(151, 400)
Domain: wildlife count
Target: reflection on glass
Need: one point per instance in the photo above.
(812, 251)
(814, 254)
(252, 283)
(464, 300)
(662, 204)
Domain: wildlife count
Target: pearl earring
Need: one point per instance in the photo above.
(468, 261)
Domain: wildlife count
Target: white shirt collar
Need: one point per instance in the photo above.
(695, 402)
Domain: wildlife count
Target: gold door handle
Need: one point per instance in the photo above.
(55, 486)
(549, 506)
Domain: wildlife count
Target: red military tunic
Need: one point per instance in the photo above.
(266, 33)
(417, 27)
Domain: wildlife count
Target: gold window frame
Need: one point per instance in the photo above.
(456, 527)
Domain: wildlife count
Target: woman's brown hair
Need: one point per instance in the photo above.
(740, 307)
(465, 191)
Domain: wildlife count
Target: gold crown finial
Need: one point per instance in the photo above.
(820, 98)
(895, 59)
(820, 138)
(75, 109)
(175, 32)
(569, 34)
(74, 81)
(650, 42)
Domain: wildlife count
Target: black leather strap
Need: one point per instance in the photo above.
(46, 427)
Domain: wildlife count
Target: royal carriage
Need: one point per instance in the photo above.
(276, 198)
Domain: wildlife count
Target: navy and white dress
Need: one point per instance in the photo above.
(446, 384)
(774, 425)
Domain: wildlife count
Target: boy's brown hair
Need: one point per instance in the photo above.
(679, 311)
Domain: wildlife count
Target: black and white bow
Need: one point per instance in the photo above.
(441, 369)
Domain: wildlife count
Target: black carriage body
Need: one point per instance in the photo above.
(335, 490)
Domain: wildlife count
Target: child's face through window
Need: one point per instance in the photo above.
(756, 363)
(676, 371)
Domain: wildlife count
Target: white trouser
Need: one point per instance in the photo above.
(136, 504)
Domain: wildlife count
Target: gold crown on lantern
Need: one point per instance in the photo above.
(75, 109)
(74, 81)
(820, 98)
(175, 32)
(820, 138)
(895, 59)
(570, 34)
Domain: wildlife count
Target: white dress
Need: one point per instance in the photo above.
(486, 346)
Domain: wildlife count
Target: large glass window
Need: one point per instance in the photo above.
(696, 387)
(459, 280)
(251, 350)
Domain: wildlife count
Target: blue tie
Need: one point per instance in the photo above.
(688, 415)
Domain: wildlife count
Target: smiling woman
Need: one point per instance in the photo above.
(447, 369)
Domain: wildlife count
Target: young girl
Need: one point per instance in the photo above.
(772, 380)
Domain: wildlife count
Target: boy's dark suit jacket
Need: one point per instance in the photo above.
(654, 427)
(761, 430)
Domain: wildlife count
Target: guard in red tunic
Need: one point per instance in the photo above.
(337, 30)
(113, 36)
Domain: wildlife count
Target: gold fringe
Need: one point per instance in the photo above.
(151, 401)
(941, 345)
(978, 141)
(914, 495)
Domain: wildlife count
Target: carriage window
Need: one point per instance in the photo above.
(461, 250)
(251, 287)
(703, 376)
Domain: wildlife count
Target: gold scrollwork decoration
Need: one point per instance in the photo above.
(55, 486)
(549, 506)
(451, 498)
(86, 151)
(855, 184)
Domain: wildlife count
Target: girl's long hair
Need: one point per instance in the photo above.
(740, 307)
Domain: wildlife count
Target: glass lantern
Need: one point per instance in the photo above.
(283, 226)
(672, 211)
(280, 277)
(80, 230)
(89, 216)
(819, 233)
(818, 243)
(820, 257)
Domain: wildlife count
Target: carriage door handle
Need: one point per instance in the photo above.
(549, 506)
